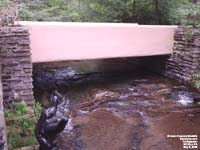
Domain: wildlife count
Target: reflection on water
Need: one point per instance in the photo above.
(133, 114)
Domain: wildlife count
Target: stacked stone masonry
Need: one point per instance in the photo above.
(2, 121)
(185, 61)
(16, 62)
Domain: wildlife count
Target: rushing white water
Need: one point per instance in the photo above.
(185, 99)
(69, 126)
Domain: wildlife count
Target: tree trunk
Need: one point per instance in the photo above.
(194, 1)
(134, 20)
(79, 6)
(157, 10)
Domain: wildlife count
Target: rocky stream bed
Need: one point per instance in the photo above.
(133, 113)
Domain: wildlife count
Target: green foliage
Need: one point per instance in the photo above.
(20, 121)
(53, 3)
(197, 84)
(37, 110)
(8, 13)
(196, 78)
(187, 14)
(20, 108)
(4, 3)
(139, 11)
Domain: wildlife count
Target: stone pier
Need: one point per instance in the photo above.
(184, 63)
(2, 121)
(16, 62)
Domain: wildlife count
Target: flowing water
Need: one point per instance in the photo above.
(139, 113)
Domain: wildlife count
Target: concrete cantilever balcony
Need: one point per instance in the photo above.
(60, 41)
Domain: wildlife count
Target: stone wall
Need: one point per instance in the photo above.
(2, 121)
(185, 61)
(16, 71)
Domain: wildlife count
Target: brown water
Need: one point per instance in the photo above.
(132, 114)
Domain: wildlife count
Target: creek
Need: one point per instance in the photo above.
(132, 112)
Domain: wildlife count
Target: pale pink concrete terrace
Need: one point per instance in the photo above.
(56, 41)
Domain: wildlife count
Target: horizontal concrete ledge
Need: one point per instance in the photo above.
(88, 24)
(91, 24)
(60, 41)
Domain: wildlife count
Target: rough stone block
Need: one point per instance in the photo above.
(16, 63)
(185, 60)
